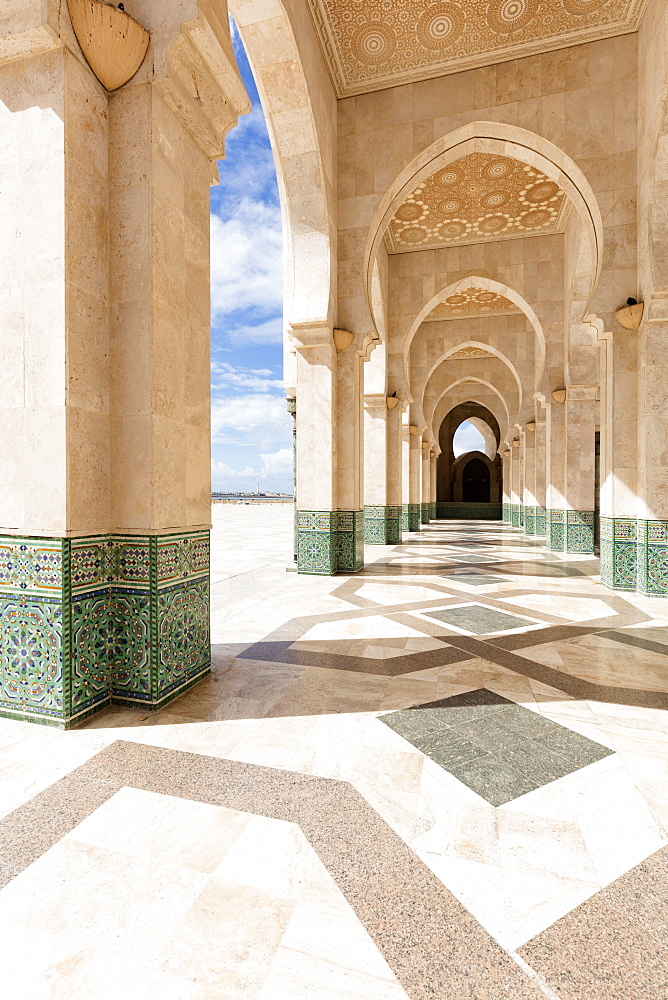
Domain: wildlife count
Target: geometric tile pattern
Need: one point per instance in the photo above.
(652, 558)
(404, 517)
(516, 515)
(382, 525)
(376, 44)
(414, 516)
(499, 749)
(529, 520)
(571, 531)
(579, 531)
(88, 621)
(425, 513)
(472, 302)
(479, 197)
(446, 510)
(479, 619)
(556, 530)
(541, 522)
(507, 513)
(618, 553)
(330, 541)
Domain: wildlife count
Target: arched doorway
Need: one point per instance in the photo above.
(475, 482)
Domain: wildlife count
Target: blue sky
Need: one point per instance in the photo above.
(467, 438)
(251, 428)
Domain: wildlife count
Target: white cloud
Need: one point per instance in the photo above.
(273, 473)
(467, 438)
(226, 376)
(279, 463)
(253, 419)
(247, 260)
(269, 331)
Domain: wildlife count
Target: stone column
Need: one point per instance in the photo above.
(414, 479)
(292, 410)
(652, 510)
(515, 488)
(382, 519)
(529, 499)
(554, 472)
(507, 487)
(405, 477)
(433, 481)
(541, 514)
(330, 516)
(619, 458)
(581, 410)
(425, 507)
(105, 510)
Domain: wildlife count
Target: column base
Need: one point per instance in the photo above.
(414, 516)
(515, 515)
(382, 525)
(330, 542)
(529, 520)
(652, 558)
(506, 513)
(619, 553)
(432, 510)
(87, 622)
(541, 522)
(425, 513)
(571, 531)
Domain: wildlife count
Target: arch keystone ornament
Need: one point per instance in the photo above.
(113, 43)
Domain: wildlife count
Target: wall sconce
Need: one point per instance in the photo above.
(113, 43)
(342, 339)
(630, 315)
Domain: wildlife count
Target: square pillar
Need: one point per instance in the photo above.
(104, 326)
(382, 518)
(414, 478)
(425, 505)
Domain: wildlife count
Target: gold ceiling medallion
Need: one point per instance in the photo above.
(113, 43)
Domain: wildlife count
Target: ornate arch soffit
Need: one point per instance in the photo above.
(469, 379)
(504, 140)
(493, 286)
(309, 254)
(491, 351)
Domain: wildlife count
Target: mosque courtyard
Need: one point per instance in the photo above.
(445, 776)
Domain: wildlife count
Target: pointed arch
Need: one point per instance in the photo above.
(504, 140)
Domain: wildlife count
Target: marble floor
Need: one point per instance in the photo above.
(443, 778)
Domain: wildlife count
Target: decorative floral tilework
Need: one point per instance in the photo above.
(66, 652)
(382, 525)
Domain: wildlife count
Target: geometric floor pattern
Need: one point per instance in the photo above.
(500, 750)
(445, 776)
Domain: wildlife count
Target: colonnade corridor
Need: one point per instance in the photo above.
(444, 776)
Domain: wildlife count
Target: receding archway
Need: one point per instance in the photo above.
(476, 493)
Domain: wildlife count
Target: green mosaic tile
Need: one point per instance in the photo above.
(414, 517)
(499, 749)
(579, 537)
(469, 511)
(96, 638)
(652, 558)
(382, 525)
(405, 520)
(479, 619)
(425, 512)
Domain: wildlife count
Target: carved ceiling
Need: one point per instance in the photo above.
(371, 44)
(478, 198)
(466, 353)
(473, 302)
